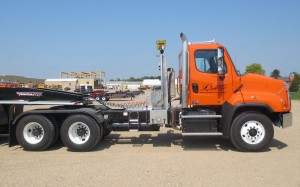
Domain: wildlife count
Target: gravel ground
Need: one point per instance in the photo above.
(161, 158)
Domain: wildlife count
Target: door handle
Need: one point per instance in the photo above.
(195, 87)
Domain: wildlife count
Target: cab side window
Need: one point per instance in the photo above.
(207, 61)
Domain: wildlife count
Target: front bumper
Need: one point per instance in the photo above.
(287, 120)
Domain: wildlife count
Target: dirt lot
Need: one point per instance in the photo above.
(157, 159)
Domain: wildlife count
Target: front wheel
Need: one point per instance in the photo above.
(251, 131)
(81, 133)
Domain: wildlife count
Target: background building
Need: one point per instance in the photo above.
(95, 79)
(62, 83)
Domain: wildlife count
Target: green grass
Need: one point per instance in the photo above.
(295, 95)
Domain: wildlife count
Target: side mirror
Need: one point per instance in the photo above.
(291, 78)
(221, 72)
(220, 53)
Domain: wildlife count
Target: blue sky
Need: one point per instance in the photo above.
(42, 38)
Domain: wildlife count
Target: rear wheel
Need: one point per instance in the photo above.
(251, 132)
(81, 133)
(35, 132)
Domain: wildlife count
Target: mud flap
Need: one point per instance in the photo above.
(12, 140)
(14, 111)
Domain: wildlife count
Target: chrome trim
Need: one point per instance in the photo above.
(204, 42)
(180, 121)
(202, 134)
(164, 82)
(202, 116)
(185, 78)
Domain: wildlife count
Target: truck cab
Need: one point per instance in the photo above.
(210, 83)
(243, 108)
(214, 81)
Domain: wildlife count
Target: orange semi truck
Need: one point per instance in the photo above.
(215, 100)
(246, 106)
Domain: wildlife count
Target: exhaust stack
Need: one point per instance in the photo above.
(185, 70)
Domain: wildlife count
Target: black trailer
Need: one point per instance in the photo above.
(72, 116)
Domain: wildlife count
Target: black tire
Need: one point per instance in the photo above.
(32, 139)
(76, 141)
(103, 98)
(57, 129)
(251, 131)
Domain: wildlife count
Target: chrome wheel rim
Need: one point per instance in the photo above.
(252, 132)
(33, 133)
(79, 133)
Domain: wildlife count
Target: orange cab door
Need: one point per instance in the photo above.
(206, 87)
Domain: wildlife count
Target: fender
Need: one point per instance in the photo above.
(91, 112)
(228, 112)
